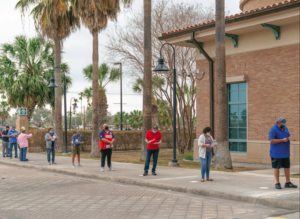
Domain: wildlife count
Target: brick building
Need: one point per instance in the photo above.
(262, 73)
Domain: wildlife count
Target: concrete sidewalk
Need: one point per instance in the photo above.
(251, 187)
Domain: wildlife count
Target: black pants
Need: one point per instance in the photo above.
(104, 153)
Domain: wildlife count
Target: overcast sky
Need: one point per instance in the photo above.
(78, 50)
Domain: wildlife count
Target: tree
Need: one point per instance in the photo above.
(81, 95)
(117, 118)
(163, 115)
(54, 19)
(25, 70)
(136, 119)
(222, 157)
(105, 76)
(4, 111)
(88, 94)
(126, 43)
(41, 117)
(94, 15)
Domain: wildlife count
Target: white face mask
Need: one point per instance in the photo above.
(208, 133)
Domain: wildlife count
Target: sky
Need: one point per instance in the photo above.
(78, 50)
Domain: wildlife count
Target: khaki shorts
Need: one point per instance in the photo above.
(75, 150)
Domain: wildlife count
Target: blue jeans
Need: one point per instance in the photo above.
(23, 152)
(205, 164)
(155, 157)
(49, 150)
(11, 147)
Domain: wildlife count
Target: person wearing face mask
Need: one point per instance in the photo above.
(107, 139)
(76, 142)
(153, 138)
(280, 151)
(23, 143)
(5, 142)
(13, 142)
(206, 144)
(51, 139)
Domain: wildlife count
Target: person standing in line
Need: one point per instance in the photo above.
(76, 142)
(13, 142)
(23, 143)
(280, 151)
(51, 139)
(5, 142)
(107, 139)
(153, 138)
(205, 144)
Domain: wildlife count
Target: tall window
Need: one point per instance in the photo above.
(237, 117)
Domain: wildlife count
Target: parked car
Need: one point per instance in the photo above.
(2, 128)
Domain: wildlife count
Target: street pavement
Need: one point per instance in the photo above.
(28, 194)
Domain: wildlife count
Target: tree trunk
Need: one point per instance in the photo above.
(154, 112)
(222, 157)
(95, 126)
(58, 113)
(53, 116)
(102, 108)
(147, 109)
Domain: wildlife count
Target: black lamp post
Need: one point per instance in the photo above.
(161, 67)
(54, 85)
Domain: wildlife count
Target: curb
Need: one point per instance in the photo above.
(214, 194)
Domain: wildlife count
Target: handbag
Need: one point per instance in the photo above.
(55, 147)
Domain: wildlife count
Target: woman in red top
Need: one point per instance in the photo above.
(153, 138)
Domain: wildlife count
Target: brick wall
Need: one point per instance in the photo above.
(273, 89)
(251, 4)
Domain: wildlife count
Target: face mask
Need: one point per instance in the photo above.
(282, 126)
(154, 131)
(51, 132)
(106, 127)
(208, 133)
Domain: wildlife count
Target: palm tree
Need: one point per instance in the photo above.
(25, 70)
(147, 109)
(223, 157)
(163, 113)
(56, 20)
(88, 94)
(4, 111)
(105, 76)
(117, 118)
(81, 95)
(136, 119)
(94, 15)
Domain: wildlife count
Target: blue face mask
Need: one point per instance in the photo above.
(154, 131)
(51, 132)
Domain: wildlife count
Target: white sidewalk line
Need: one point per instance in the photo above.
(184, 177)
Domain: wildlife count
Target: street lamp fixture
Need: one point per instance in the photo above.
(196, 72)
(54, 85)
(162, 68)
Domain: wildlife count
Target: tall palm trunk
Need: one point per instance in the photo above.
(102, 107)
(147, 108)
(95, 126)
(58, 108)
(223, 157)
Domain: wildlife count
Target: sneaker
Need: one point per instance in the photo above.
(154, 174)
(277, 186)
(73, 165)
(290, 185)
(111, 169)
(145, 174)
(26, 160)
(16, 157)
(102, 169)
(79, 165)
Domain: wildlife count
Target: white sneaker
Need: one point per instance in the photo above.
(73, 165)
(111, 169)
(79, 165)
(102, 169)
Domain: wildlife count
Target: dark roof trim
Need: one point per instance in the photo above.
(233, 20)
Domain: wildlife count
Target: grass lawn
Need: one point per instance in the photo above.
(295, 176)
(165, 156)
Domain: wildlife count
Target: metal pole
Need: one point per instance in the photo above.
(70, 112)
(65, 100)
(174, 113)
(121, 98)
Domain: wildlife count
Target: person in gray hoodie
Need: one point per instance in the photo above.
(51, 139)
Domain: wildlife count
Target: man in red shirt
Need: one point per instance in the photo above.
(153, 138)
(107, 139)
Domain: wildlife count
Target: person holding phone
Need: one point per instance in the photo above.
(51, 139)
(206, 144)
(76, 142)
(279, 138)
(153, 138)
(107, 139)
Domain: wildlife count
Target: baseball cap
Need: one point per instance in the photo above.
(23, 128)
(282, 121)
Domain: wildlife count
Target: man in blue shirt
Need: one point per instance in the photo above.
(280, 151)
(76, 142)
(12, 134)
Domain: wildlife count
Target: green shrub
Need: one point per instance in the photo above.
(189, 157)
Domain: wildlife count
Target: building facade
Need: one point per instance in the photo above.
(262, 75)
